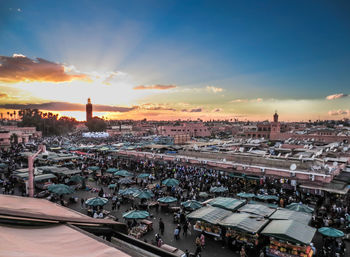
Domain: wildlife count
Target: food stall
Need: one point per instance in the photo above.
(208, 218)
(289, 238)
(244, 228)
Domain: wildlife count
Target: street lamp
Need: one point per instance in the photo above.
(31, 158)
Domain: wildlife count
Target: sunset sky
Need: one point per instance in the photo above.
(170, 59)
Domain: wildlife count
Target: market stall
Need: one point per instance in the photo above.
(289, 238)
(208, 218)
(243, 228)
(142, 227)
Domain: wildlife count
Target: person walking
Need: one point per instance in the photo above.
(161, 226)
(198, 247)
(242, 252)
(185, 228)
(82, 201)
(176, 233)
(202, 239)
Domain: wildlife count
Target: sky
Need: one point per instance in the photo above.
(167, 59)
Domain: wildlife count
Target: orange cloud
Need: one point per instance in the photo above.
(155, 87)
(64, 106)
(20, 68)
(339, 112)
(2, 95)
(336, 96)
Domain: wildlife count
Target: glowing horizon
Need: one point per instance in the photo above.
(135, 61)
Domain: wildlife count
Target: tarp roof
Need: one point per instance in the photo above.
(258, 209)
(212, 215)
(44, 176)
(290, 230)
(244, 221)
(43, 209)
(284, 214)
(52, 241)
(227, 203)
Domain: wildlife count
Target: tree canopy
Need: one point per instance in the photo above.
(46, 122)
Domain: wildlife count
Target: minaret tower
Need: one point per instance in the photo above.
(88, 110)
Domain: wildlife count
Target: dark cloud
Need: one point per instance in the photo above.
(156, 87)
(21, 68)
(64, 106)
(192, 110)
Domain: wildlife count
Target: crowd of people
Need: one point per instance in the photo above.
(330, 209)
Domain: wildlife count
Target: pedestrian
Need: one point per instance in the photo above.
(185, 228)
(242, 252)
(118, 204)
(202, 239)
(198, 246)
(161, 226)
(82, 201)
(176, 233)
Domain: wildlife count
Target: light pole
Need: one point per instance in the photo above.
(31, 158)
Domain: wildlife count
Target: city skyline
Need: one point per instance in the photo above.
(168, 60)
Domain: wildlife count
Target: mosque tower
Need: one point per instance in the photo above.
(88, 110)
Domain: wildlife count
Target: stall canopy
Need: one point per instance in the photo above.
(227, 203)
(284, 214)
(57, 240)
(244, 222)
(267, 197)
(209, 214)
(44, 177)
(257, 209)
(290, 230)
(43, 209)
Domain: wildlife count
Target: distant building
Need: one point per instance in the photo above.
(191, 129)
(88, 110)
(20, 134)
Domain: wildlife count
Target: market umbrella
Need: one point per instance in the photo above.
(245, 195)
(125, 181)
(96, 201)
(111, 170)
(218, 189)
(203, 194)
(169, 182)
(93, 168)
(143, 194)
(167, 199)
(60, 189)
(192, 204)
(129, 191)
(330, 232)
(123, 173)
(112, 185)
(300, 207)
(135, 214)
(143, 175)
(3, 165)
(76, 179)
